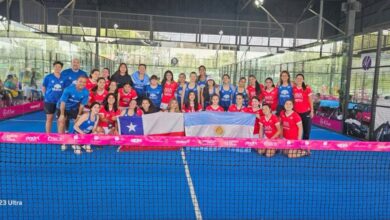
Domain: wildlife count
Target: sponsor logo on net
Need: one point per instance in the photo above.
(251, 143)
(51, 138)
(32, 138)
(231, 143)
(209, 142)
(10, 137)
(136, 140)
(182, 142)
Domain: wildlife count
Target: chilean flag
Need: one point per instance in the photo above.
(156, 124)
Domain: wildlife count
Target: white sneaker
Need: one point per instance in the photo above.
(64, 147)
(76, 149)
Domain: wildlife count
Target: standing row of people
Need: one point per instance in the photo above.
(70, 92)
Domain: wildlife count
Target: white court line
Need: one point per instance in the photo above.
(195, 203)
(30, 120)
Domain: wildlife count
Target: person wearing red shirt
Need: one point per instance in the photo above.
(192, 103)
(239, 106)
(269, 129)
(292, 128)
(254, 89)
(169, 87)
(92, 80)
(255, 109)
(303, 104)
(270, 94)
(214, 107)
(106, 75)
(147, 107)
(108, 114)
(125, 95)
(98, 93)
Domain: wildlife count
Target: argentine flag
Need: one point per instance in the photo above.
(219, 124)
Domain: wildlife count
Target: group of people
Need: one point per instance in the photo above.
(95, 101)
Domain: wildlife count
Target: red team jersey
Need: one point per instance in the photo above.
(290, 125)
(271, 98)
(269, 127)
(107, 84)
(191, 108)
(126, 98)
(90, 84)
(211, 109)
(252, 92)
(251, 111)
(139, 112)
(95, 97)
(108, 115)
(301, 99)
(233, 108)
(169, 91)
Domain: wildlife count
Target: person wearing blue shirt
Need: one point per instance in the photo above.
(52, 88)
(72, 74)
(202, 77)
(285, 91)
(226, 93)
(140, 81)
(154, 91)
(71, 104)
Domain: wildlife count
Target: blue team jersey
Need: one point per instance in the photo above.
(73, 98)
(202, 84)
(188, 90)
(154, 94)
(179, 92)
(236, 92)
(88, 125)
(140, 85)
(71, 77)
(284, 93)
(226, 96)
(54, 88)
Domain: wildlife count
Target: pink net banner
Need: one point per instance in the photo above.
(164, 141)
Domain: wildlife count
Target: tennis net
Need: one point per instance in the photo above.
(164, 178)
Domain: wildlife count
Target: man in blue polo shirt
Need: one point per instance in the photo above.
(71, 104)
(72, 74)
(52, 88)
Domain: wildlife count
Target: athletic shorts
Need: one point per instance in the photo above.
(69, 114)
(50, 108)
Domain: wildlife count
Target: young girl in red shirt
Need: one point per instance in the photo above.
(269, 129)
(125, 95)
(214, 107)
(270, 94)
(254, 89)
(303, 104)
(192, 104)
(108, 115)
(239, 106)
(169, 87)
(292, 128)
(255, 108)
